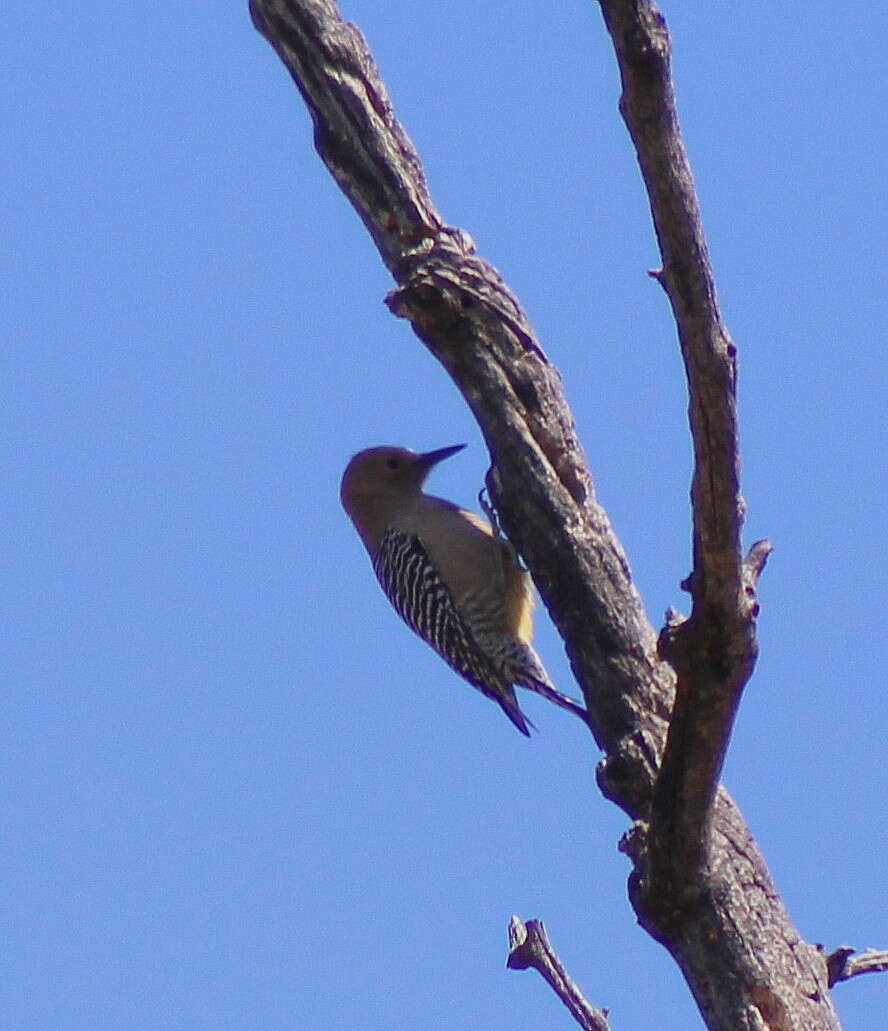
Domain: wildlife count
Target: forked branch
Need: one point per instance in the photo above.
(745, 963)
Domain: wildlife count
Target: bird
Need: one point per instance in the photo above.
(452, 579)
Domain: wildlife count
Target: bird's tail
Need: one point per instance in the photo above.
(553, 695)
(509, 704)
(533, 676)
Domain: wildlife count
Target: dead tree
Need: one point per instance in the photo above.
(661, 706)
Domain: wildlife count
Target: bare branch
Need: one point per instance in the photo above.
(529, 946)
(844, 963)
(713, 651)
(468, 318)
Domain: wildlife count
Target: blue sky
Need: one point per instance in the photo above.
(236, 792)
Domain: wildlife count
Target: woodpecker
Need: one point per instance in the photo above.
(448, 576)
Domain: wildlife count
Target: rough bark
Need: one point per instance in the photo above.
(699, 883)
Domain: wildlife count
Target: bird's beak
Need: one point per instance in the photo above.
(431, 458)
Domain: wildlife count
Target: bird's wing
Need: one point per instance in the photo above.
(422, 599)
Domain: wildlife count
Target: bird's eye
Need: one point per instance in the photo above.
(393, 463)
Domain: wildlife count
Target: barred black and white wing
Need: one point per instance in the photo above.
(415, 588)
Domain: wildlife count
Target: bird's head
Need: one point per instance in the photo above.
(377, 479)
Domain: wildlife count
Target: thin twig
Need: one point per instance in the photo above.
(529, 946)
(844, 963)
